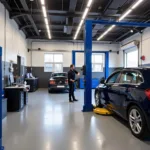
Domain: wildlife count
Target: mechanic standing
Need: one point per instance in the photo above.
(71, 79)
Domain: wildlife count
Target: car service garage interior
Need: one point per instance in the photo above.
(75, 74)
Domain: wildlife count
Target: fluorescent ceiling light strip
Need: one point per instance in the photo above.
(46, 21)
(44, 11)
(45, 18)
(137, 4)
(126, 14)
(43, 2)
(108, 30)
(100, 37)
(89, 3)
(81, 23)
(49, 35)
(78, 30)
(75, 37)
(48, 31)
(122, 17)
(83, 18)
(85, 13)
(47, 27)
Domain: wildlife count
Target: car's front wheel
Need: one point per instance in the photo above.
(137, 122)
(98, 100)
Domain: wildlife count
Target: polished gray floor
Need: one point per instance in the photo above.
(49, 122)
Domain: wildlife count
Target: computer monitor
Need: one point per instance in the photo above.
(11, 77)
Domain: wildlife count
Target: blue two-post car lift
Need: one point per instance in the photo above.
(1, 147)
(88, 55)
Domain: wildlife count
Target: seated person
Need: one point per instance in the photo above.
(29, 74)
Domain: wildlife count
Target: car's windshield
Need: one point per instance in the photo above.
(59, 75)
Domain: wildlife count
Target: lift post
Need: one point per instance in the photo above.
(88, 54)
(87, 61)
(106, 53)
(1, 147)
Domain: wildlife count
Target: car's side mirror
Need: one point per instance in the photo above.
(102, 80)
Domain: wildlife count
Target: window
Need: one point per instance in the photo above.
(131, 77)
(53, 62)
(131, 59)
(97, 62)
(113, 78)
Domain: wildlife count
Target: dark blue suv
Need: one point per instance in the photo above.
(128, 92)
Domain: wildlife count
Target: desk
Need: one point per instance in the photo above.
(33, 82)
(16, 97)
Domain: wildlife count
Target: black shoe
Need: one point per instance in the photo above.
(70, 101)
(75, 100)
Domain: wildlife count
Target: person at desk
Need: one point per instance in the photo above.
(29, 74)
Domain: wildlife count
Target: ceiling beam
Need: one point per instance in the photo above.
(7, 6)
(24, 31)
(54, 31)
(127, 33)
(72, 6)
(62, 32)
(4, 2)
(54, 38)
(25, 26)
(25, 6)
(40, 24)
(107, 6)
(122, 36)
(15, 14)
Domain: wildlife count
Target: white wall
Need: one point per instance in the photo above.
(144, 49)
(12, 40)
(38, 57)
